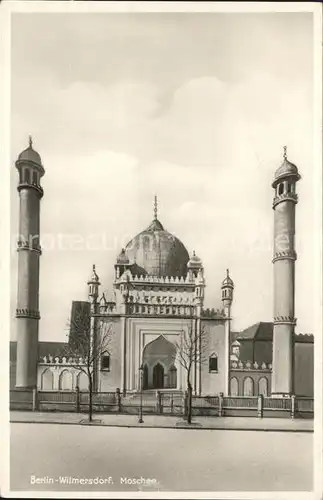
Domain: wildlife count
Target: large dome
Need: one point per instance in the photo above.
(158, 252)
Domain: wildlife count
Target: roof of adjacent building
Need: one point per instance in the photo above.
(264, 331)
(259, 331)
(44, 349)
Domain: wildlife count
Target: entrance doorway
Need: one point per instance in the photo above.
(159, 371)
(158, 376)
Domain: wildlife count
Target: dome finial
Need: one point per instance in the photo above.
(285, 153)
(30, 141)
(155, 208)
(228, 273)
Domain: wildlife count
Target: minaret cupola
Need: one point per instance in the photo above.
(30, 168)
(285, 180)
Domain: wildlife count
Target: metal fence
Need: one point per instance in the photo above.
(162, 402)
(278, 404)
(240, 402)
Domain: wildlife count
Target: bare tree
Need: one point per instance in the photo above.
(191, 350)
(86, 349)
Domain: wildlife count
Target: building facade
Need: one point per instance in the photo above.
(158, 325)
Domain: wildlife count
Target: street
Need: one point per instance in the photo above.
(57, 457)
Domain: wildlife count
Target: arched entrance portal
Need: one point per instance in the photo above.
(158, 361)
(158, 376)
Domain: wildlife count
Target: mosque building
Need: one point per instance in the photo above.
(157, 303)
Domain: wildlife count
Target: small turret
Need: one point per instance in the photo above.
(122, 264)
(194, 265)
(103, 303)
(93, 285)
(227, 291)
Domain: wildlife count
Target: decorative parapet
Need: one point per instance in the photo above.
(212, 313)
(108, 308)
(62, 360)
(306, 338)
(249, 366)
(27, 313)
(286, 254)
(159, 309)
(163, 280)
(285, 197)
(284, 320)
(160, 300)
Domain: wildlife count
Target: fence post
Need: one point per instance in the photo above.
(159, 407)
(118, 395)
(77, 399)
(221, 404)
(260, 406)
(35, 399)
(293, 406)
(185, 395)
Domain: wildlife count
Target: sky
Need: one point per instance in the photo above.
(195, 108)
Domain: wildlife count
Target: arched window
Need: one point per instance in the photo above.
(172, 377)
(105, 362)
(47, 380)
(35, 179)
(213, 363)
(248, 387)
(289, 187)
(66, 381)
(280, 188)
(234, 387)
(82, 382)
(263, 386)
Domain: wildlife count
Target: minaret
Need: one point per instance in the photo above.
(93, 295)
(284, 203)
(195, 275)
(227, 298)
(30, 170)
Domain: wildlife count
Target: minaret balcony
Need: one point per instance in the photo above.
(286, 254)
(27, 313)
(25, 245)
(31, 185)
(285, 197)
(285, 320)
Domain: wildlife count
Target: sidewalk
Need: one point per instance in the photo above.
(168, 422)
